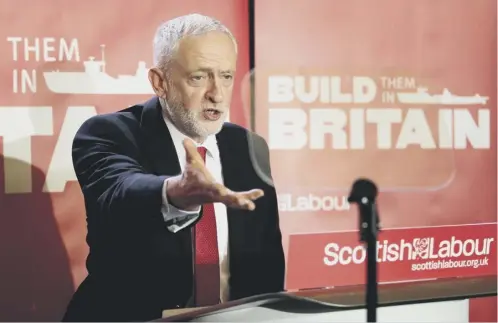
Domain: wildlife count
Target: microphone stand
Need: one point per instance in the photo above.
(369, 227)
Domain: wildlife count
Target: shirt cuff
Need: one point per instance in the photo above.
(175, 218)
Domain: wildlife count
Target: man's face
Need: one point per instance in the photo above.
(199, 82)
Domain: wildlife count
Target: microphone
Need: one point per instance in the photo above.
(364, 194)
(363, 188)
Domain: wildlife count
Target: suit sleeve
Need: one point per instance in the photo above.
(106, 162)
(274, 255)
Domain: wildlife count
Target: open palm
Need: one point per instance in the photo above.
(200, 186)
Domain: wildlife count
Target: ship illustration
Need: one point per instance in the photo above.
(95, 80)
(421, 96)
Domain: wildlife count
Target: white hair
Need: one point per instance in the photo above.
(172, 31)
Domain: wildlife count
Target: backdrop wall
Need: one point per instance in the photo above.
(50, 85)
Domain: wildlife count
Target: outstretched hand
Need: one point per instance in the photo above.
(197, 186)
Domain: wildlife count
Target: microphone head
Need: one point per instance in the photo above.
(363, 187)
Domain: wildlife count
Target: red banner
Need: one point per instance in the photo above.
(62, 63)
(339, 259)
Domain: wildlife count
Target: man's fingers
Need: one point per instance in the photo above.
(253, 194)
(244, 200)
(246, 205)
(239, 200)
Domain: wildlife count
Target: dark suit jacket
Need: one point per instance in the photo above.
(137, 267)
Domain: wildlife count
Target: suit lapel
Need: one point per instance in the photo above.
(158, 144)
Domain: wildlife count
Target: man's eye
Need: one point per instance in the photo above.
(197, 78)
(228, 77)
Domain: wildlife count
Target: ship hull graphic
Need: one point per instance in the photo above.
(421, 96)
(81, 83)
(95, 80)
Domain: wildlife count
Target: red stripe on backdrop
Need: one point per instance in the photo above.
(42, 220)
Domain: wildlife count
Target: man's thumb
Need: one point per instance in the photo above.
(191, 150)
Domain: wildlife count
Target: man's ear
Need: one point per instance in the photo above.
(158, 82)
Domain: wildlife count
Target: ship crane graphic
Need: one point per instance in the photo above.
(95, 80)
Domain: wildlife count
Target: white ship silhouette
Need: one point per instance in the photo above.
(95, 80)
(421, 96)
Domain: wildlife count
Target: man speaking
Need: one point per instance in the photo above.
(177, 215)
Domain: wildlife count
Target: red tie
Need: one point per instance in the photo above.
(207, 267)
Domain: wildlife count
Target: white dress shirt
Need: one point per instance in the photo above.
(182, 219)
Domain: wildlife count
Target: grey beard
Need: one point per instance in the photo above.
(183, 120)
